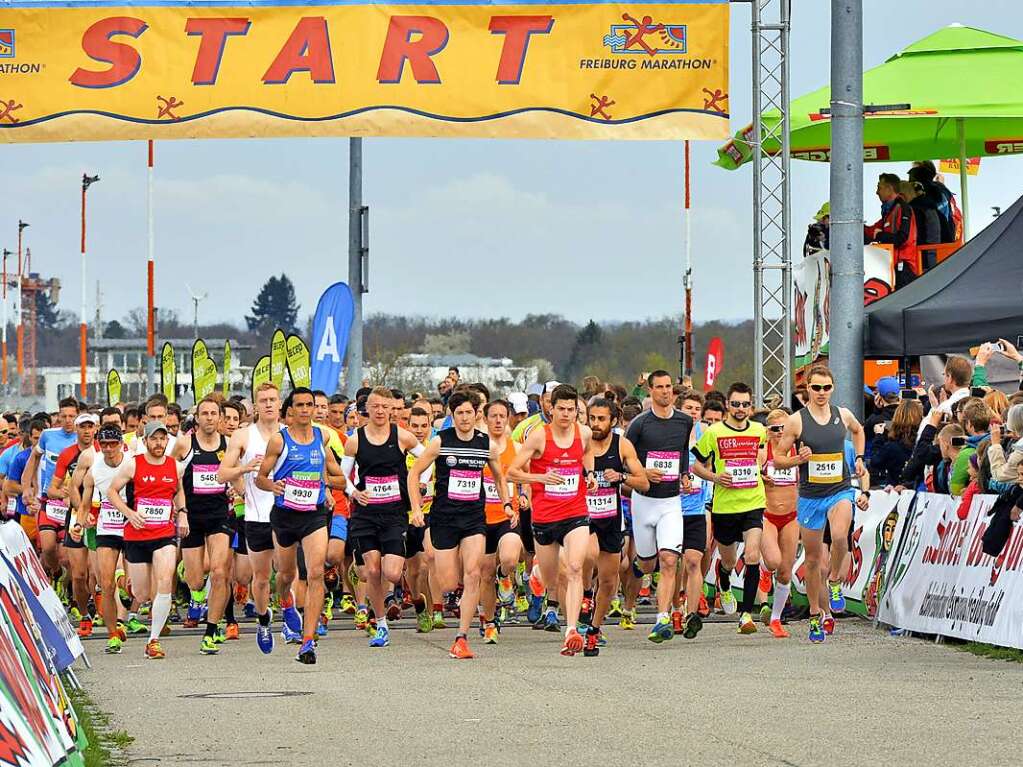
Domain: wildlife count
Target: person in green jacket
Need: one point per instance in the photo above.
(976, 419)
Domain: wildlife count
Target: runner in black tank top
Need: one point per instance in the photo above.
(380, 503)
(614, 463)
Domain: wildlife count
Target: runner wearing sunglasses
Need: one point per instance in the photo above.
(730, 454)
(825, 491)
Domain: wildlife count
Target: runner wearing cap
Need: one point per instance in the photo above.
(540, 418)
(97, 513)
(156, 516)
(519, 405)
(63, 493)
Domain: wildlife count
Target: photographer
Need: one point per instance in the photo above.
(893, 442)
(998, 470)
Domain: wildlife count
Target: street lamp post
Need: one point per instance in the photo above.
(87, 181)
(19, 328)
(3, 342)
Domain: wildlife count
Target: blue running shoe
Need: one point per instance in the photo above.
(265, 639)
(662, 631)
(290, 637)
(550, 622)
(836, 600)
(321, 629)
(307, 653)
(382, 638)
(250, 610)
(816, 634)
(293, 620)
(194, 611)
(535, 608)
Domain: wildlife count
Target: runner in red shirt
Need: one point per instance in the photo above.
(158, 516)
(560, 459)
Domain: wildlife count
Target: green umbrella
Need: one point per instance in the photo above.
(955, 93)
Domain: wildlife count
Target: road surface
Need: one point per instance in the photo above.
(862, 698)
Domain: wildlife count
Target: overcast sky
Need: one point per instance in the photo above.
(467, 228)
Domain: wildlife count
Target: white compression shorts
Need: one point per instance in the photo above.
(656, 525)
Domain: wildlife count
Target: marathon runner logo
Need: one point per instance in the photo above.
(6, 43)
(644, 36)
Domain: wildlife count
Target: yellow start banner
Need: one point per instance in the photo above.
(92, 70)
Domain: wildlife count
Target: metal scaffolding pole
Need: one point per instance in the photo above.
(772, 259)
(846, 327)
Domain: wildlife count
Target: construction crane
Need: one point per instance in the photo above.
(31, 287)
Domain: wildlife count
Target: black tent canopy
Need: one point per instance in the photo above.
(973, 296)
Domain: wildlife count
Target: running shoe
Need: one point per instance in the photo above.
(193, 615)
(551, 622)
(74, 614)
(154, 651)
(490, 634)
(307, 653)
(221, 636)
(573, 643)
(135, 626)
(615, 610)
(692, 625)
(328, 608)
(765, 580)
(586, 611)
(114, 645)
(321, 627)
(728, 603)
(779, 631)
(174, 616)
(816, 633)
(166, 630)
(289, 636)
(85, 627)
(120, 631)
(394, 610)
(704, 609)
(250, 610)
(382, 637)
(591, 646)
(505, 590)
(97, 621)
(829, 625)
(347, 604)
(747, 624)
(460, 649)
(765, 614)
(231, 632)
(264, 639)
(836, 600)
(601, 639)
(535, 609)
(209, 646)
(628, 621)
(144, 608)
(361, 619)
(424, 622)
(438, 620)
(662, 632)
(292, 619)
(521, 604)
(676, 622)
(717, 602)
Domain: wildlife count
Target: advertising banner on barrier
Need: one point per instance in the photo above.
(943, 583)
(62, 639)
(101, 70)
(37, 723)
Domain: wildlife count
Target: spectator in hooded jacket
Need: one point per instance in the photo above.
(928, 221)
(924, 172)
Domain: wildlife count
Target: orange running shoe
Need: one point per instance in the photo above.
(778, 630)
(119, 632)
(717, 603)
(676, 622)
(573, 643)
(85, 627)
(704, 609)
(232, 631)
(765, 580)
(154, 651)
(460, 649)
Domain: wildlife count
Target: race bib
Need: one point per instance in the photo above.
(490, 488)
(12, 506)
(695, 486)
(383, 489)
(782, 477)
(667, 461)
(155, 512)
(110, 520)
(302, 490)
(204, 479)
(825, 468)
(464, 485)
(56, 511)
(570, 486)
(745, 472)
(602, 503)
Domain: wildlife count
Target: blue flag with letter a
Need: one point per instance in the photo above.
(331, 323)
